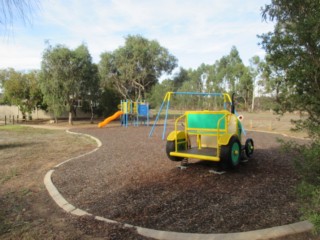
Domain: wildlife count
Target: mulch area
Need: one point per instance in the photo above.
(131, 180)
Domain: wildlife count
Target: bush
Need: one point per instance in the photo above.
(309, 196)
(107, 103)
(307, 164)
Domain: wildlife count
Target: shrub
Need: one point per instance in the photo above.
(309, 196)
(307, 164)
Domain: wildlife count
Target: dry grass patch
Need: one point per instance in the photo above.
(26, 154)
(26, 209)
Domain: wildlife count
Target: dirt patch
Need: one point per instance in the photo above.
(131, 180)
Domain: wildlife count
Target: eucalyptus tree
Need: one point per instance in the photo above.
(245, 87)
(293, 54)
(232, 76)
(255, 70)
(67, 76)
(135, 67)
(270, 79)
(230, 69)
(90, 91)
(158, 92)
(22, 89)
(180, 77)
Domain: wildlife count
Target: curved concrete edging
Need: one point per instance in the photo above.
(268, 233)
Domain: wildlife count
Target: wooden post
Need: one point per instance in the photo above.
(5, 120)
(251, 124)
(13, 119)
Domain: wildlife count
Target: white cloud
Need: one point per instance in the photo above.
(194, 31)
(21, 55)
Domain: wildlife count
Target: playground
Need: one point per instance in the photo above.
(134, 182)
(131, 180)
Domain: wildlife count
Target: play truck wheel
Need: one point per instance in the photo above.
(170, 147)
(249, 147)
(230, 154)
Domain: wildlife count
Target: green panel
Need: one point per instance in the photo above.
(207, 120)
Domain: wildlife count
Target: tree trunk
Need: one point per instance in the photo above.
(70, 118)
(252, 107)
(71, 110)
(245, 104)
(91, 108)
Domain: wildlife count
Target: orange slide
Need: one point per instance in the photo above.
(109, 119)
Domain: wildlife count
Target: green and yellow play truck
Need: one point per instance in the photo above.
(211, 136)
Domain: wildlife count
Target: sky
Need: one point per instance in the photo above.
(195, 32)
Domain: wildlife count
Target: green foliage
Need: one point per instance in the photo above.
(22, 89)
(134, 68)
(107, 102)
(293, 69)
(310, 203)
(293, 56)
(90, 92)
(307, 164)
(66, 77)
(181, 77)
(236, 77)
(264, 103)
(55, 74)
(158, 92)
(227, 74)
(231, 67)
(307, 161)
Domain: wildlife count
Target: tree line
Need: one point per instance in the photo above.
(228, 74)
(68, 77)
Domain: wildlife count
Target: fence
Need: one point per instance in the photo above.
(11, 114)
(9, 120)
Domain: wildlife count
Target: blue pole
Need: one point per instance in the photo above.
(157, 118)
(127, 113)
(137, 112)
(122, 117)
(148, 114)
(165, 119)
(167, 98)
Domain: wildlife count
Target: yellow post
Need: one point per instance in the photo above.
(135, 107)
(125, 107)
